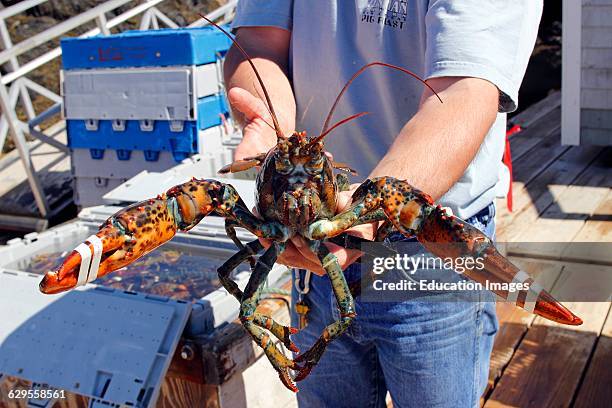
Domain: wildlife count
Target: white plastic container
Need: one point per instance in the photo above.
(156, 93)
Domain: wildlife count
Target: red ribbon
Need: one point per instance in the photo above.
(508, 162)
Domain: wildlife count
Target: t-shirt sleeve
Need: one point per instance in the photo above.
(491, 39)
(264, 13)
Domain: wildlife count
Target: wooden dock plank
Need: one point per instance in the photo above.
(528, 138)
(178, 393)
(547, 367)
(540, 157)
(532, 198)
(595, 390)
(513, 321)
(563, 219)
(536, 112)
(598, 227)
(8, 383)
(597, 232)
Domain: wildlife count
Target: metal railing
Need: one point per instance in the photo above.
(15, 87)
(223, 15)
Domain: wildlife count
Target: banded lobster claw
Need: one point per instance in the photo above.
(447, 236)
(123, 238)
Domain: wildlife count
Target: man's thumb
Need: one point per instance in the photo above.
(247, 104)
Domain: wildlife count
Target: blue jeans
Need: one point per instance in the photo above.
(426, 352)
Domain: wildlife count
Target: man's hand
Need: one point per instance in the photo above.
(269, 51)
(257, 136)
(298, 255)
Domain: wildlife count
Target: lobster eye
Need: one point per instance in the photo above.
(314, 166)
(283, 165)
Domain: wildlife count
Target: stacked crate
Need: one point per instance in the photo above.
(142, 100)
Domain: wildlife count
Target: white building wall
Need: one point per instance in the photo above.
(587, 72)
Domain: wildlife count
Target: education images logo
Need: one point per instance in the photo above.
(411, 264)
(394, 15)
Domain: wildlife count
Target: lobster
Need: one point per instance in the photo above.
(296, 196)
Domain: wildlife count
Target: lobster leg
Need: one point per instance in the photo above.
(251, 319)
(230, 230)
(346, 304)
(246, 252)
(281, 332)
(413, 213)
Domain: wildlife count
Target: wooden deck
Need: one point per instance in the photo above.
(562, 194)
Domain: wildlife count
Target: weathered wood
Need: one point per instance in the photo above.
(513, 321)
(248, 389)
(546, 368)
(597, 118)
(562, 221)
(174, 393)
(591, 98)
(189, 369)
(8, 383)
(597, 137)
(531, 199)
(596, 390)
(527, 139)
(538, 110)
(540, 157)
(179, 393)
(597, 231)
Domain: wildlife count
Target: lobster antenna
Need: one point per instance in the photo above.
(264, 121)
(342, 122)
(361, 70)
(277, 127)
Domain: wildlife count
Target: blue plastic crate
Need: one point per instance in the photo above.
(154, 48)
(210, 111)
(182, 144)
(160, 138)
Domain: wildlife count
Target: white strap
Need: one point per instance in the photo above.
(85, 252)
(298, 287)
(532, 296)
(97, 256)
(448, 210)
(88, 270)
(520, 277)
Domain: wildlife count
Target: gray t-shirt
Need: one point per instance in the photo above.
(330, 40)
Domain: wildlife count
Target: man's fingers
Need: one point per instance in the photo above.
(304, 251)
(345, 256)
(304, 258)
(294, 258)
(344, 198)
(296, 262)
(250, 106)
(248, 145)
(257, 136)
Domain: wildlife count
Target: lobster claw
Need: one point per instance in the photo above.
(440, 229)
(125, 237)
